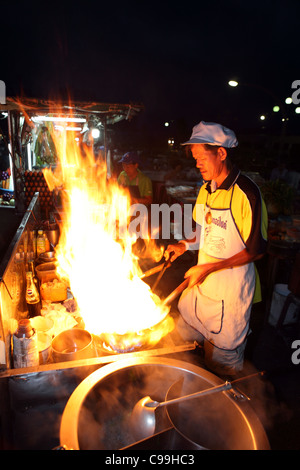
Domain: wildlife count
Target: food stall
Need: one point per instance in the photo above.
(80, 392)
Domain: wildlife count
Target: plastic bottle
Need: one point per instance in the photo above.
(33, 300)
(25, 345)
(40, 243)
(47, 243)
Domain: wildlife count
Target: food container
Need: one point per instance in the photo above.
(42, 324)
(44, 347)
(46, 272)
(54, 290)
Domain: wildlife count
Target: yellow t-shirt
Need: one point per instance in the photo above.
(143, 182)
(242, 196)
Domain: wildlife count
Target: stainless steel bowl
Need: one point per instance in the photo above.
(72, 344)
(46, 257)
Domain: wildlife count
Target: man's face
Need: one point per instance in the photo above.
(209, 163)
(131, 169)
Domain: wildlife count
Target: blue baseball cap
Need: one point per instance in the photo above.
(213, 134)
(130, 157)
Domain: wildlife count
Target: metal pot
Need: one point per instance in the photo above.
(204, 413)
(46, 257)
(53, 234)
(97, 415)
(73, 344)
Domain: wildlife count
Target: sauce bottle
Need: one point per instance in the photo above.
(25, 345)
(47, 243)
(32, 270)
(33, 300)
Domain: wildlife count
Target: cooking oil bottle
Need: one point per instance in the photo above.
(40, 243)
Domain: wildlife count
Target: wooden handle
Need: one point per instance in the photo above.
(176, 292)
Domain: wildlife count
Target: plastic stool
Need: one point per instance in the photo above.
(291, 299)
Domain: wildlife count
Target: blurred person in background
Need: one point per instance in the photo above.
(138, 184)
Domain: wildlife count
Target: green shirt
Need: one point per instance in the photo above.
(142, 181)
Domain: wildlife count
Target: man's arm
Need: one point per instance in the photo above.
(197, 274)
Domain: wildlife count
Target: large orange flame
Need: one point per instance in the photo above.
(103, 273)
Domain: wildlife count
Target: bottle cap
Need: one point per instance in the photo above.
(24, 328)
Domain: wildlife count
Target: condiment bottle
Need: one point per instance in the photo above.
(25, 345)
(33, 300)
(47, 243)
(33, 242)
(40, 243)
(35, 279)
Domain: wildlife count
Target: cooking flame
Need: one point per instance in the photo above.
(95, 255)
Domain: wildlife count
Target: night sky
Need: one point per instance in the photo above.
(174, 57)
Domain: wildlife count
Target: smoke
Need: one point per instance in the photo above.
(263, 398)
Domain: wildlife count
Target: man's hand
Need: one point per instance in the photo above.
(197, 274)
(177, 250)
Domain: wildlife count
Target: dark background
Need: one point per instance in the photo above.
(173, 57)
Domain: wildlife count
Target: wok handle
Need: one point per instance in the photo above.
(176, 292)
(152, 271)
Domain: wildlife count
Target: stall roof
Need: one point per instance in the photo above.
(110, 112)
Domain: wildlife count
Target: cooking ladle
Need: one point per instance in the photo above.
(142, 421)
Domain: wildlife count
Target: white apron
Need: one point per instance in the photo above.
(220, 307)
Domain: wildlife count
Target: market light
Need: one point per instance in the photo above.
(95, 133)
(233, 83)
(57, 119)
(68, 128)
(262, 117)
(276, 109)
(29, 157)
(288, 101)
(167, 124)
(297, 110)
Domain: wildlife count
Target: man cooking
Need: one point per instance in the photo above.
(215, 308)
(138, 184)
